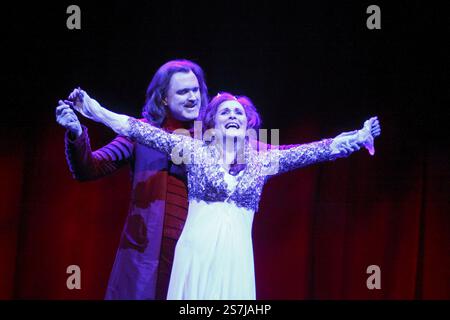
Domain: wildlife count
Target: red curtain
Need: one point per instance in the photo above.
(317, 231)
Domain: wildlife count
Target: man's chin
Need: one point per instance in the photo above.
(190, 116)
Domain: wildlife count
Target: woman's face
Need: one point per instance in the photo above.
(231, 120)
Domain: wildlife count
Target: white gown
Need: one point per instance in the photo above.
(214, 254)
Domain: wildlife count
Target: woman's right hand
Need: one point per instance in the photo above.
(85, 105)
(91, 109)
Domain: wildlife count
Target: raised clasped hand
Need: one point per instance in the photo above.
(81, 102)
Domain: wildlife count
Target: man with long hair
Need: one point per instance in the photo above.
(142, 267)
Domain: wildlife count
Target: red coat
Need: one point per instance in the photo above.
(156, 216)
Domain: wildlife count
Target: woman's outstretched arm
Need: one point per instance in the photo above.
(328, 149)
(139, 131)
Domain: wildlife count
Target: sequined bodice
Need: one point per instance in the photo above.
(204, 174)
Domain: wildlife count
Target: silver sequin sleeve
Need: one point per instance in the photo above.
(299, 156)
(156, 138)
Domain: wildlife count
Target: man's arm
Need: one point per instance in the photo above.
(83, 163)
(86, 165)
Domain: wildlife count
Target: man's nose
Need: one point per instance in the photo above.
(192, 96)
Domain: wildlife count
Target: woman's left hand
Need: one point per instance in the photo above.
(345, 144)
(348, 142)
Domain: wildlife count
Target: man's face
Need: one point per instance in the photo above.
(183, 96)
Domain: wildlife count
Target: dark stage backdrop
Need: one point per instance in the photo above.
(313, 69)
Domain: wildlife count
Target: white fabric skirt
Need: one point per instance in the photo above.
(214, 255)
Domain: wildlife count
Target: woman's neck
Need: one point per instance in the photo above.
(231, 150)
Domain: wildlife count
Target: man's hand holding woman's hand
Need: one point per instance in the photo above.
(88, 107)
(67, 118)
(91, 109)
